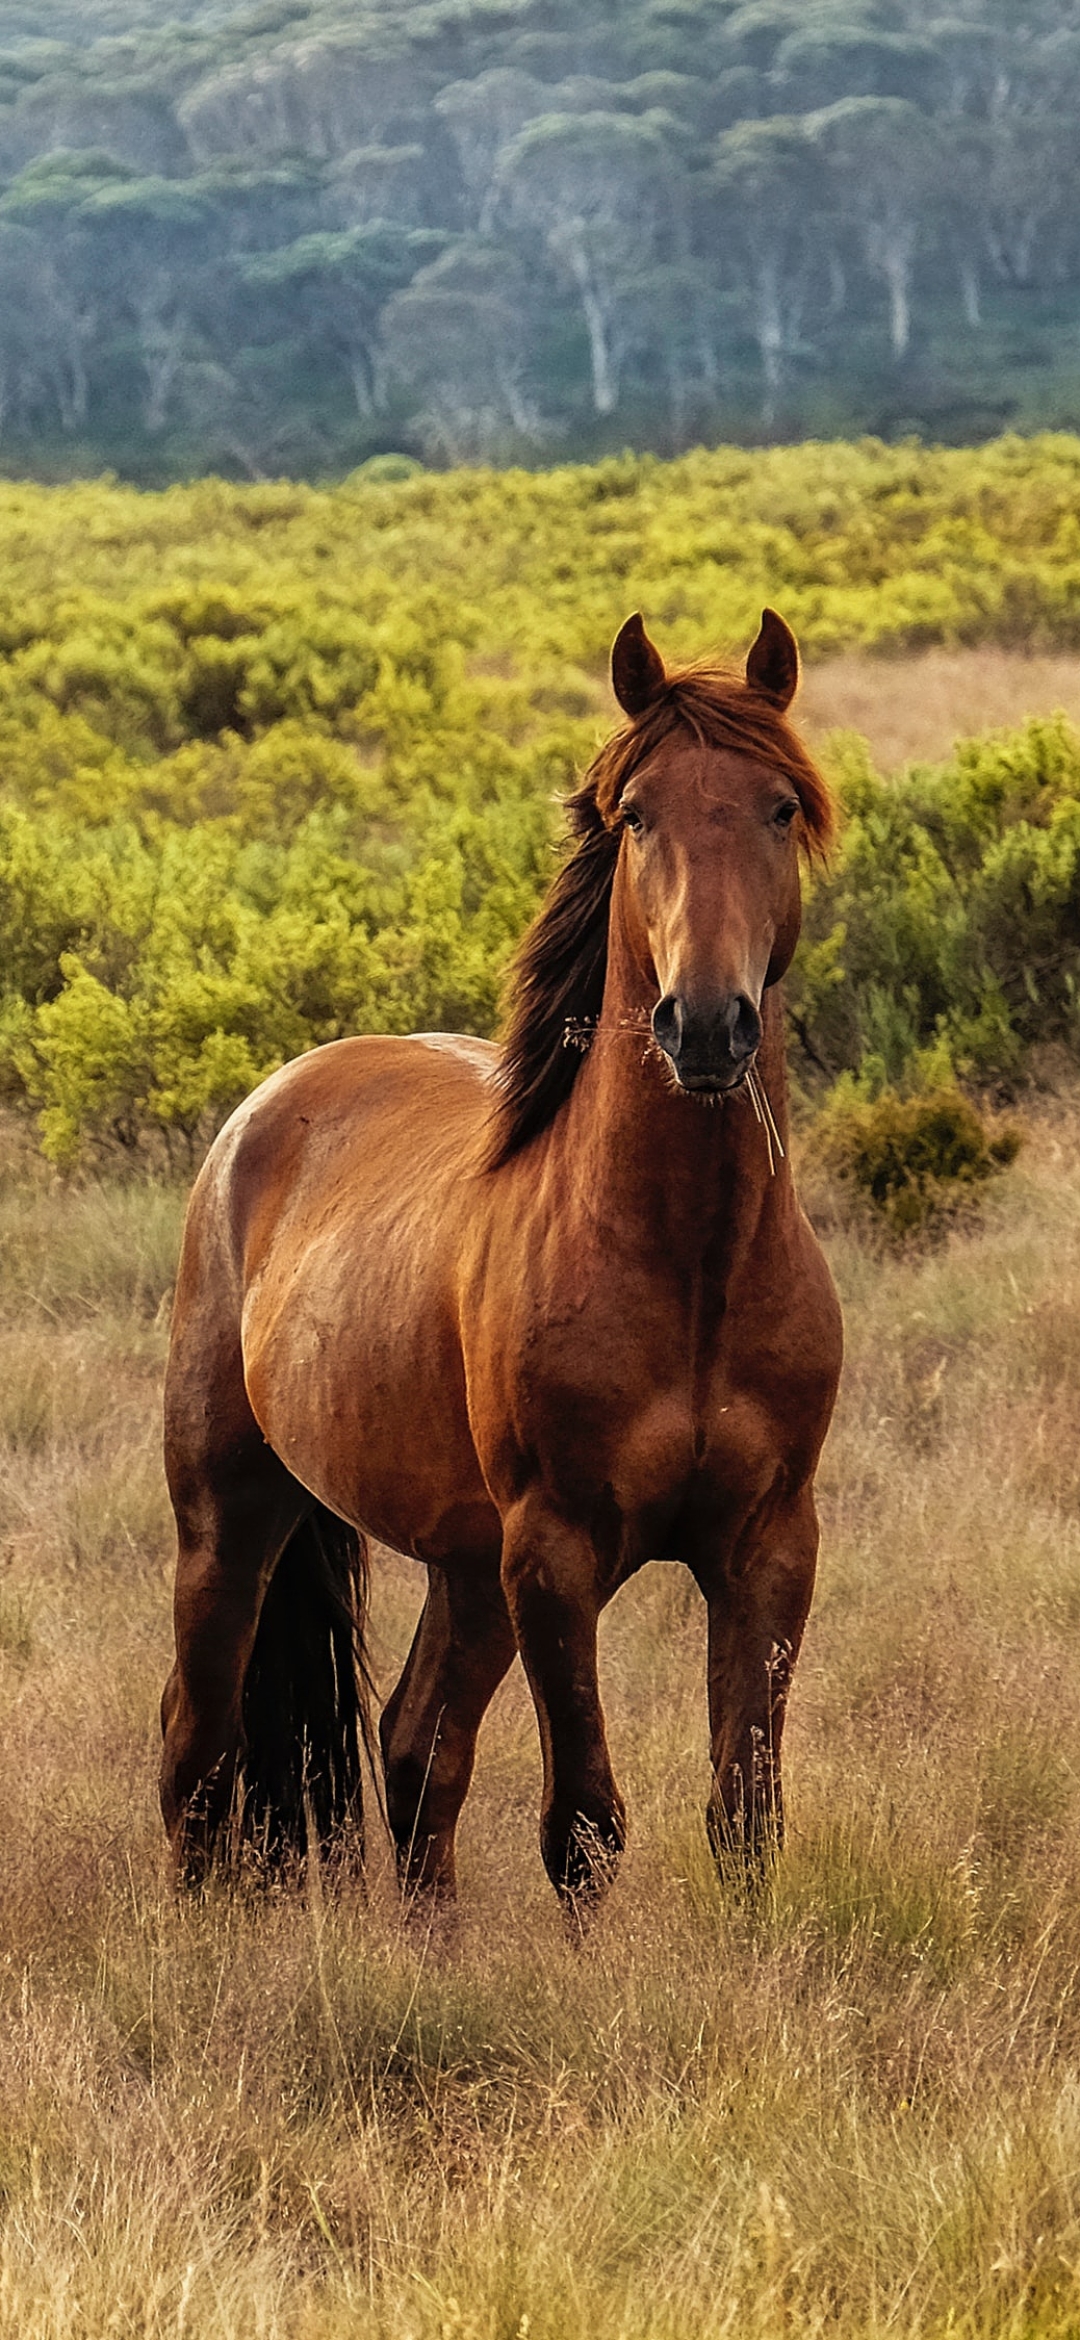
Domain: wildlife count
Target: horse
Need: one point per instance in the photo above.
(533, 1313)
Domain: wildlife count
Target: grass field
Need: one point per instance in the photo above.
(914, 708)
(851, 2107)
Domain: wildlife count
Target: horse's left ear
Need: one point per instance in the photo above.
(637, 669)
(773, 664)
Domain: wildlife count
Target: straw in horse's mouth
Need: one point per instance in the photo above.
(750, 1081)
(762, 1108)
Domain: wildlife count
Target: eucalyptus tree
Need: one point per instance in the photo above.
(48, 199)
(376, 182)
(322, 95)
(30, 313)
(456, 343)
(883, 154)
(483, 117)
(598, 188)
(771, 193)
(149, 238)
(827, 58)
(340, 284)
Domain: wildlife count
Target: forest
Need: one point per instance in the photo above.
(282, 762)
(292, 237)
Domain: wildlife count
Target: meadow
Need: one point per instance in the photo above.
(849, 2104)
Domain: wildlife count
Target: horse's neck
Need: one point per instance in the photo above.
(645, 1154)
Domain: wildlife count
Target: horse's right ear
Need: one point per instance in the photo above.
(637, 669)
(773, 662)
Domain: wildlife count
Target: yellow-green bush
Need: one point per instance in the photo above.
(281, 762)
(948, 924)
(916, 1161)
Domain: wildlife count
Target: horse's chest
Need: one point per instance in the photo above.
(661, 1410)
(650, 1421)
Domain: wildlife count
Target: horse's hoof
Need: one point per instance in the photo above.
(581, 1860)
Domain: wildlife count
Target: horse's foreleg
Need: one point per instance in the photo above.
(758, 1598)
(232, 1520)
(463, 1645)
(550, 1576)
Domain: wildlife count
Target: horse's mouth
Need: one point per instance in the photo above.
(711, 1084)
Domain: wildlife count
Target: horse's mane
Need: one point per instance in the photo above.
(556, 981)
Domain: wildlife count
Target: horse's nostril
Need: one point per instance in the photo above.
(703, 1041)
(668, 1017)
(744, 1025)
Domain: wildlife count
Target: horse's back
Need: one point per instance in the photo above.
(349, 1115)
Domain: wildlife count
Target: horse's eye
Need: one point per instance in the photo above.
(785, 813)
(631, 819)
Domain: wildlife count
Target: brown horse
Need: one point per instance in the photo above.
(535, 1315)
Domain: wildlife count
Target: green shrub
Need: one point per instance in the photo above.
(913, 1162)
(279, 763)
(949, 918)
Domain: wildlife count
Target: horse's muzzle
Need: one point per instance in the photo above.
(710, 1050)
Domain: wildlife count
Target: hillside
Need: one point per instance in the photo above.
(285, 237)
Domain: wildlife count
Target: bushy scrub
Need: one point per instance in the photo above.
(948, 925)
(280, 763)
(913, 1162)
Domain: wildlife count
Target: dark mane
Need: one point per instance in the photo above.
(557, 979)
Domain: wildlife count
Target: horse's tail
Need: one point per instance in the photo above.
(308, 1699)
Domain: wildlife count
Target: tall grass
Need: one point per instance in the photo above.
(848, 2105)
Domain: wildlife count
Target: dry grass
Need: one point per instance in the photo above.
(912, 709)
(851, 2107)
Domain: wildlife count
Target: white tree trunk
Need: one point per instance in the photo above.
(594, 309)
(969, 291)
(362, 385)
(770, 334)
(897, 277)
(890, 249)
(521, 410)
(162, 357)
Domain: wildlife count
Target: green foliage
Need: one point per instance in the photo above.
(947, 930)
(915, 1161)
(279, 764)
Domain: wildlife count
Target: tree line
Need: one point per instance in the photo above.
(296, 237)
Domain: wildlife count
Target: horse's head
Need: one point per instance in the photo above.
(714, 796)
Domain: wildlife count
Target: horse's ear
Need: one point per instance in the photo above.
(773, 664)
(637, 669)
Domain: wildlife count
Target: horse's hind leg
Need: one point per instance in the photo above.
(463, 1646)
(236, 1507)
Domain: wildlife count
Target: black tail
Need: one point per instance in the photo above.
(308, 1699)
